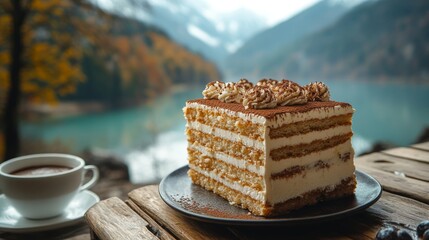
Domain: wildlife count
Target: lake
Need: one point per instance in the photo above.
(151, 138)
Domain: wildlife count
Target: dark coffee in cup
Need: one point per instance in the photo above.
(40, 170)
(42, 185)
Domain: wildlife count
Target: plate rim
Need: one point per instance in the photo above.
(60, 223)
(267, 221)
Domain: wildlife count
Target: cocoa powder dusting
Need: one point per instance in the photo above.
(193, 206)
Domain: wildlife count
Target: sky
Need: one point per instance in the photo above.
(274, 11)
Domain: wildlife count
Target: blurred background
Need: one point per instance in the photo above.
(107, 79)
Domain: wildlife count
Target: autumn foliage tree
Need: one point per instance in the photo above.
(71, 49)
(39, 55)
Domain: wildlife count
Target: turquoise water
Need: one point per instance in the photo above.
(152, 134)
(122, 130)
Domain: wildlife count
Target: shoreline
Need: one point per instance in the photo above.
(65, 109)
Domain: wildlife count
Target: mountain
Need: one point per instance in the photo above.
(194, 25)
(309, 21)
(140, 63)
(378, 40)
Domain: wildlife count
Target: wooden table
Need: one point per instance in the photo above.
(402, 172)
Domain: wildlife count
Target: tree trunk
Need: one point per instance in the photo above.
(11, 118)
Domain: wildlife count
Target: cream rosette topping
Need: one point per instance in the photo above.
(259, 97)
(267, 93)
(230, 93)
(213, 90)
(289, 93)
(317, 91)
(243, 85)
(267, 83)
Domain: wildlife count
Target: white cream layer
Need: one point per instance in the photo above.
(317, 113)
(280, 119)
(288, 188)
(324, 155)
(271, 144)
(285, 189)
(228, 135)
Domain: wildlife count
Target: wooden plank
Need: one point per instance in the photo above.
(112, 219)
(409, 153)
(403, 186)
(79, 231)
(360, 226)
(398, 166)
(156, 228)
(422, 146)
(148, 200)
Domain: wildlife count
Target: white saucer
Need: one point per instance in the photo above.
(12, 221)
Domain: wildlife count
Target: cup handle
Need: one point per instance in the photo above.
(95, 176)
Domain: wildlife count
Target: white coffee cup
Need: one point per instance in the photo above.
(44, 195)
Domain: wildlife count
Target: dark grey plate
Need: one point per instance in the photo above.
(193, 201)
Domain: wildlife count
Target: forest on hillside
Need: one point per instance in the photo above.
(70, 53)
(385, 41)
(72, 50)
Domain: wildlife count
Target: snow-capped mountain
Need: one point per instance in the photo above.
(249, 58)
(194, 25)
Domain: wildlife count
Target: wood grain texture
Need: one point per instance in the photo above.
(112, 219)
(159, 231)
(409, 153)
(398, 184)
(422, 146)
(395, 165)
(148, 200)
(361, 226)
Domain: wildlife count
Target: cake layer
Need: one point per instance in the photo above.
(239, 163)
(225, 122)
(343, 188)
(304, 127)
(274, 117)
(343, 151)
(217, 144)
(255, 156)
(225, 170)
(271, 143)
(281, 188)
(300, 150)
(234, 197)
(231, 136)
(243, 126)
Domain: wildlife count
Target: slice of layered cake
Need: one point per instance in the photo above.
(270, 148)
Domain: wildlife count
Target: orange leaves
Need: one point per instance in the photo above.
(52, 72)
(176, 57)
(5, 28)
(57, 33)
(137, 64)
(52, 50)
